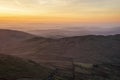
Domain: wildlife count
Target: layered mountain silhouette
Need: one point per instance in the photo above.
(89, 50)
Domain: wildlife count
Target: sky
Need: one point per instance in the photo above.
(60, 11)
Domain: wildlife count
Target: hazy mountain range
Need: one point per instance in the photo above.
(75, 31)
(61, 52)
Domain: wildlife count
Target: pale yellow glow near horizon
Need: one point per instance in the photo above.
(60, 11)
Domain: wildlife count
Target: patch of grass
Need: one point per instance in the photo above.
(13, 68)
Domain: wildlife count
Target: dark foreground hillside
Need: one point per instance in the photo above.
(12, 68)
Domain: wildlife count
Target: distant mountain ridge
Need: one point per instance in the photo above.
(76, 31)
(88, 49)
(13, 34)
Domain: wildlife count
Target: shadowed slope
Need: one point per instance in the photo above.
(9, 38)
(89, 49)
(13, 35)
(12, 68)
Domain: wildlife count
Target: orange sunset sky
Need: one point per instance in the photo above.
(59, 11)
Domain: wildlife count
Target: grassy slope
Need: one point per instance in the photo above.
(97, 72)
(13, 68)
(92, 49)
